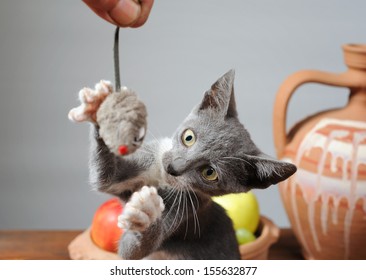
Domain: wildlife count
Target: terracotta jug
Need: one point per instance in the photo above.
(325, 199)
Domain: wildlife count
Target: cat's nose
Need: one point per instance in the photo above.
(177, 167)
(171, 171)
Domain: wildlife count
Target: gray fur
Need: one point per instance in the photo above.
(192, 226)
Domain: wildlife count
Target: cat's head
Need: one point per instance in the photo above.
(213, 152)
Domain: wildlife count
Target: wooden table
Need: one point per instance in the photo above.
(52, 245)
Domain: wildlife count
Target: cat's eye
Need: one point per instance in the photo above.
(209, 173)
(188, 138)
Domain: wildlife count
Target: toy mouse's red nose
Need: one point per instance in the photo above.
(123, 150)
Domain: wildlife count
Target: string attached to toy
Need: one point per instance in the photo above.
(117, 78)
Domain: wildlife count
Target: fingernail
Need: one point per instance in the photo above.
(125, 12)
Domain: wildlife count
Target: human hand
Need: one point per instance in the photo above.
(123, 13)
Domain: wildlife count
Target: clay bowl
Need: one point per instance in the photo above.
(82, 247)
(267, 234)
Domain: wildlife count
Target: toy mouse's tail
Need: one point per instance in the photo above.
(116, 60)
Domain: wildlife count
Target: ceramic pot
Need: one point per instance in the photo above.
(326, 199)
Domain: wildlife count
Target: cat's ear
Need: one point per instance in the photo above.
(262, 171)
(220, 97)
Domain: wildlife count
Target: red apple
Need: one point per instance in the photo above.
(104, 230)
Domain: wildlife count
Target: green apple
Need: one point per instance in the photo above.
(244, 236)
(242, 208)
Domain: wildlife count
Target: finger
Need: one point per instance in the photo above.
(125, 12)
(105, 5)
(101, 8)
(146, 6)
(119, 12)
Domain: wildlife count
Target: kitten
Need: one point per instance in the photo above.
(167, 184)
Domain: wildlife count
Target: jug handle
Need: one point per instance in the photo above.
(288, 88)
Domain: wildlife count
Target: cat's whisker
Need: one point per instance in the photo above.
(191, 190)
(195, 196)
(222, 168)
(187, 214)
(183, 207)
(152, 135)
(181, 201)
(145, 154)
(170, 194)
(177, 211)
(241, 159)
(195, 216)
(156, 129)
(146, 149)
(166, 145)
(197, 221)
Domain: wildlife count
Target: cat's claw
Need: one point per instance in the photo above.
(143, 209)
(90, 101)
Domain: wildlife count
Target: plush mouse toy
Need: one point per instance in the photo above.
(122, 121)
(119, 114)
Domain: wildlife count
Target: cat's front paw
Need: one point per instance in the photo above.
(143, 209)
(90, 101)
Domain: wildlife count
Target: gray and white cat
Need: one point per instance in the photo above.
(167, 184)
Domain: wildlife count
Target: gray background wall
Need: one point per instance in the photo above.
(51, 49)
